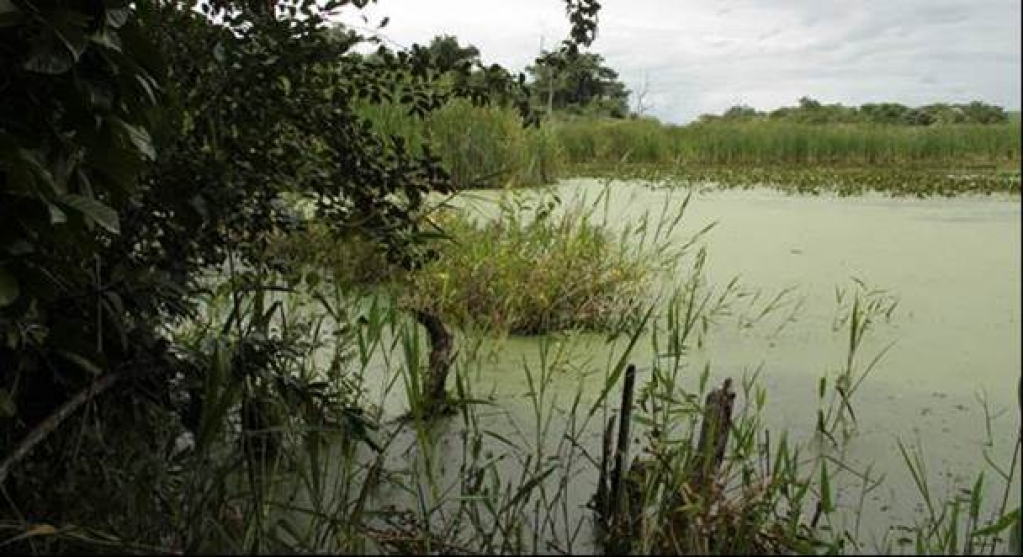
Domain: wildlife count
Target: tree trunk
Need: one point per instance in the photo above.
(439, 363)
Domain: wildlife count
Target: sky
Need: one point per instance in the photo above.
(703, 56)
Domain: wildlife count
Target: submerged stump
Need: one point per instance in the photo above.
(436, 400)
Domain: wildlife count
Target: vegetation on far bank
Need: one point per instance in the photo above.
(579, 124)
(488, 147)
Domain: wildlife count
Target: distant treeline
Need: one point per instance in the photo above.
(572, 117)
(563, 85)
(810, 111)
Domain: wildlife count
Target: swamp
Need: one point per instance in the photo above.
(271, 284)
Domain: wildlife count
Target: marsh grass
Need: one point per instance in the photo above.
(479, 146)
(489, 147)
(766, 143)
(847, 159)
(540, 265)
(898, 180)
(465, 484)
(489, 480)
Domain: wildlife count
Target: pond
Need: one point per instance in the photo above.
(948, 374)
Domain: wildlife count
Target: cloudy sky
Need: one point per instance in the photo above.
(700, 56)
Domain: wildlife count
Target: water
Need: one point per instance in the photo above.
(953, 265)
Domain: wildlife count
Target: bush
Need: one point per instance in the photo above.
(533, 270)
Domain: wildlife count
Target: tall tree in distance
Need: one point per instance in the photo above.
(578, 82)
(448, 54)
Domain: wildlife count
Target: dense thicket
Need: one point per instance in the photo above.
(143, 146)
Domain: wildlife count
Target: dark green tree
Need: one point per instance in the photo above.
(578, 82)
(979, 112)
(448, 54)
(469, 77)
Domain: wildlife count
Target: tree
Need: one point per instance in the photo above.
(979, 112)
(641, 105)
(469, 77)
(141, 146)
(577, 82)
(740, 112)
(448, 54)
(885, 113)
(80, 96)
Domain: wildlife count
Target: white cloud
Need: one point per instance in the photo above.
(705, 55)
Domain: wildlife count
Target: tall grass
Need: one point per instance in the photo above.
(480, 146)
(541, 265)
(469, 484)
(486, 147)
(782, 143)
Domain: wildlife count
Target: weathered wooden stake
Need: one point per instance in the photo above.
(717, 422)
(622, 449)
(603, 488)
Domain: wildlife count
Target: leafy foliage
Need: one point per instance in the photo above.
(577, 82)
(142, 146)
(81, 89)
(810, 111)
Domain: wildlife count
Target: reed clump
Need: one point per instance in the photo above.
(479, 146)
(532, 269)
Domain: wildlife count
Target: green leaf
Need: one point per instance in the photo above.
(102, 214)
(69, 26)
(7, 406)
(138, 137)
(148, 86)
(9, 289)
(1016, 534)
(1007, 520)
(108, 39)
(33, 172)
(20, 247)
(56, 215)
(528, 487)
(826, 502)
(117, 17)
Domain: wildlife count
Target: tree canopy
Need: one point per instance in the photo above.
(578, 82)
(811, 111)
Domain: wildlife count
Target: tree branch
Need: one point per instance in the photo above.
(54, 420)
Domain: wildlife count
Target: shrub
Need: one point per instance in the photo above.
(532, 270)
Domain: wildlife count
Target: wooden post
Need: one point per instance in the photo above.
(604, 485)
(717, 422)
(622, 450)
